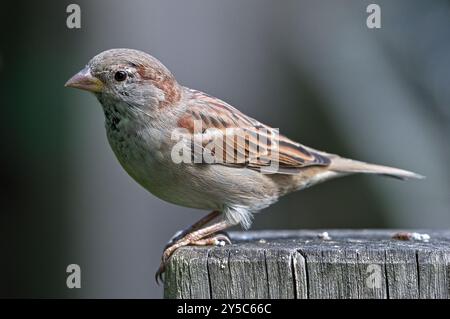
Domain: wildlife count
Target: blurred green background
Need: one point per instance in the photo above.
(311, 68)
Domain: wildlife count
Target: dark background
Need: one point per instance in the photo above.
(311, 68)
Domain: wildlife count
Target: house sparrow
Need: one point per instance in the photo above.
(144, 106)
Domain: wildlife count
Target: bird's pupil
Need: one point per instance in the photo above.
(120, 76)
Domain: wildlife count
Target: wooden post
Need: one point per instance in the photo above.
(303, 264)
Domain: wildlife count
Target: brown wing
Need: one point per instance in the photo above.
(207, 117)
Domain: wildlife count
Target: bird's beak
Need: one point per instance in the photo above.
(84, 80)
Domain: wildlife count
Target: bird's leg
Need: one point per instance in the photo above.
(202, 222)
(203, 236)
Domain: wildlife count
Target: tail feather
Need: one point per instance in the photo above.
(348, 166)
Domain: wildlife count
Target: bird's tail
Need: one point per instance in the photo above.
(348, 166)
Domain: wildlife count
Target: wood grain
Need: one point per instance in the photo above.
(299, 264)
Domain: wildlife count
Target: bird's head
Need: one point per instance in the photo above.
(129, 77)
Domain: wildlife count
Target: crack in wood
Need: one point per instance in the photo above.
(305, 267)
(418, 272)
(386, 277)
(294, 275)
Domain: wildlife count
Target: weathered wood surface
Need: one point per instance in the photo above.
(298, 264)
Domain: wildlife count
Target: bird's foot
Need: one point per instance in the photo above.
(217, 239)
(176, 237)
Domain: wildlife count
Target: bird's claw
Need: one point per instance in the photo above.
(221, 239)
(218, 239)
(164, 262)
(159, 273)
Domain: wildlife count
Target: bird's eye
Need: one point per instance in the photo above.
(120, 76)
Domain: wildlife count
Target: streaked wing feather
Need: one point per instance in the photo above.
(212, 113)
